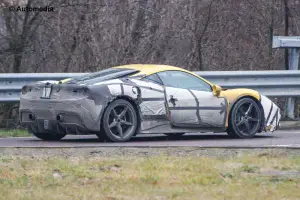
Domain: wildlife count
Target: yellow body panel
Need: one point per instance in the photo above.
(65, 80)
(232, 95)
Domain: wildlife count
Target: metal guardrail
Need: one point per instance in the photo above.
(269, 83)
(292, 43)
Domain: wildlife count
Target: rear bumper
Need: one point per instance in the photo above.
(38, 126)
(75, 116)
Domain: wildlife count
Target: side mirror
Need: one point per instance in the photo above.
(216, 89)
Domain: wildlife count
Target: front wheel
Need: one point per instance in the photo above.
(49, 136)
(119, 122)
(245, 119)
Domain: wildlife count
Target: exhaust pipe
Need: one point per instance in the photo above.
(59, 118)
(31, 117)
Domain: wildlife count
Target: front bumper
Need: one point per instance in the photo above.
(272, 114)
(80, 116)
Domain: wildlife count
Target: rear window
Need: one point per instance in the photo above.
(104, 75)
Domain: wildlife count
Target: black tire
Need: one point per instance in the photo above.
(119, 122)
(174, 134)
(245, 119)
(49, 136)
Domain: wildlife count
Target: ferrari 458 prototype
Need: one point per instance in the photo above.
(120, 102)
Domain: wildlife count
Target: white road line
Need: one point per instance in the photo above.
(286, 145)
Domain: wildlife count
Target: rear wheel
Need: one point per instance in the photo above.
(119, 122)
(49, 136)
(245, 119)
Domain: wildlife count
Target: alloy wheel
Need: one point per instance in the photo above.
(247, 118)
(121, 121)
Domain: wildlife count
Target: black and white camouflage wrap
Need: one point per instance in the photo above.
(271, 113)
(161, 109)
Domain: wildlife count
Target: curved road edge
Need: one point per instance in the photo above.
(289, 125)
(278, 139)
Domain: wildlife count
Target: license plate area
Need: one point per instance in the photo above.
(46, 124)
(46, 91)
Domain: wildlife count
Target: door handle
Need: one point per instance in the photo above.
(173, 100)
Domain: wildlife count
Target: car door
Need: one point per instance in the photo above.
(190, 101)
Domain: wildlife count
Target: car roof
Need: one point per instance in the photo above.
(148, 69)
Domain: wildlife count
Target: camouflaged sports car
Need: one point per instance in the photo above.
(120, 102)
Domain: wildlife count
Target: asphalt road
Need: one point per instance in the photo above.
(287, 138)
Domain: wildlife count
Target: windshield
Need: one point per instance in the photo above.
(104, 75)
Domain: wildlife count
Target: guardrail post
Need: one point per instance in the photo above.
(293, 65)
(292, 42)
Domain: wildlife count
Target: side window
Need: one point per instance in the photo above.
(183, 80)
(153, 78)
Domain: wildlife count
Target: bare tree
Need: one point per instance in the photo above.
(21, 28)
(137, 30)
(90, 35)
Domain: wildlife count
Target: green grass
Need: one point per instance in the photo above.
(157, 177)
(14, 133)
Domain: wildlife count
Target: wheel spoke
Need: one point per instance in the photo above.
(113, 124)
(247, 126)
(126, 123)
(120, 130)
(241, 111)
(115, 113)
(249, 109)
(240, 123)
(253, 119)
(123, 112)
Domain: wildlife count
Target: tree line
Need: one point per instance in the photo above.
(90, 35)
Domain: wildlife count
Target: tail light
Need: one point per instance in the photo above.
(25, 89)
(83, 90)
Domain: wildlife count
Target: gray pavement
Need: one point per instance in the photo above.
(282, 139)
